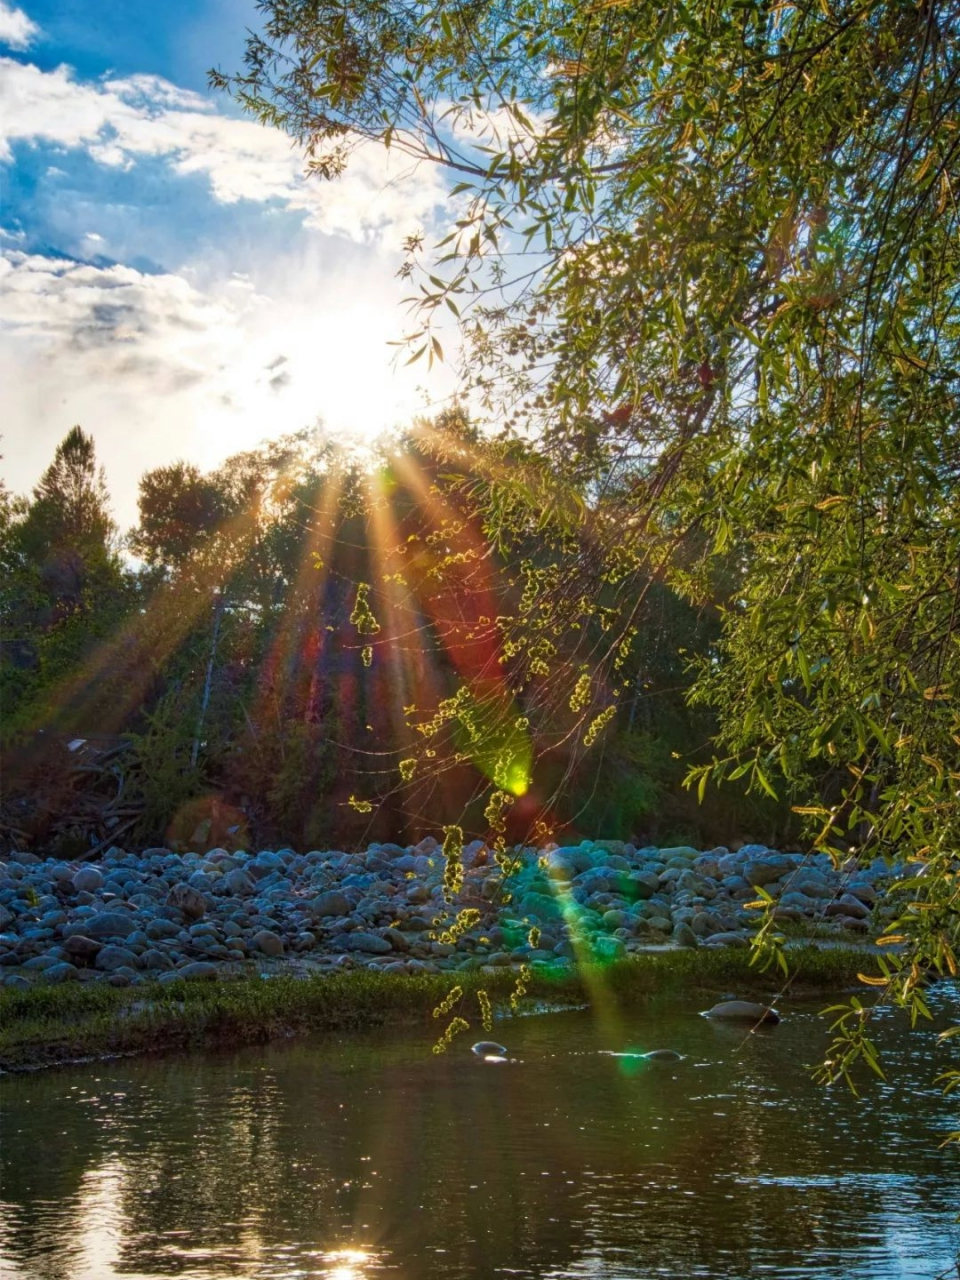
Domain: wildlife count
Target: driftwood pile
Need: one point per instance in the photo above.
(68, 795)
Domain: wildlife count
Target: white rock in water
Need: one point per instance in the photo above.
(742, 1011)
(489, 1049)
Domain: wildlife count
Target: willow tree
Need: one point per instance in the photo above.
(707, 256)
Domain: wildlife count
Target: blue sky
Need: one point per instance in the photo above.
(168, 277)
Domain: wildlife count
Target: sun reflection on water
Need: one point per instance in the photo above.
(348, 1264)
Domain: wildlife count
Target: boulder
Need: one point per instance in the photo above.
(742, 1011)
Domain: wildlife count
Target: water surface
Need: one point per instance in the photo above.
(363, 1157)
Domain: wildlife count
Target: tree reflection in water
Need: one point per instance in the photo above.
(366, 1156)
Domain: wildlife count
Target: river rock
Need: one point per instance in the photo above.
(368, 942)
(162, 928)
(761, 872)
(109, 924)
(196, 971)
(742, 1011)
(847, 905)
(332, 903)
(113, 957)
(62, 971)
(863, 891)
(87, 880)
(187, 899)
(269, 943)
(237, 883)
(683, 936)
(488, 1049)
(78, 944)
(611, 948)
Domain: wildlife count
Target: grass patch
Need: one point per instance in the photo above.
(50, 1025)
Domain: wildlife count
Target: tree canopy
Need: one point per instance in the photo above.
(704, 260)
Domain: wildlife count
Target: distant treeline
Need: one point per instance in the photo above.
(294, 648)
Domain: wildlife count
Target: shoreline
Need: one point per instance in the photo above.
(53, 1026)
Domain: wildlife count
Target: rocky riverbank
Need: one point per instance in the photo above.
(158, 916)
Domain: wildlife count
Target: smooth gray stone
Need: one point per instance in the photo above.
(87, 879)
(762, 873)
(266, 941)
(333, 903)
(109, 924)
(62, 972)
(684, 936)
(238, 883)
(188, 900)
(742, 1011)
(195, 971)
(161, 928)
(847, 905)
(369, 942)
(78, 944)
(609, 948)
(113, 957)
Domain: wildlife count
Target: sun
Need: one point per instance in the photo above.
(302, 364)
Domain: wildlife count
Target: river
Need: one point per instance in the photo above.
(366, 1156)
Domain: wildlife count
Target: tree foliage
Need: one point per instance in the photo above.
(706, 256)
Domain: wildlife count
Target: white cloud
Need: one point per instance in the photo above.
(17, 31)
(120, 121)
(159, 367)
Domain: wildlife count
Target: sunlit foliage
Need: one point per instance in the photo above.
(707, 257)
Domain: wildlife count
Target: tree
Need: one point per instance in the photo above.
(63, 586)
(67, 529)
(735, 316)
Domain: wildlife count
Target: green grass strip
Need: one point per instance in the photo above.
(46, 1026)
